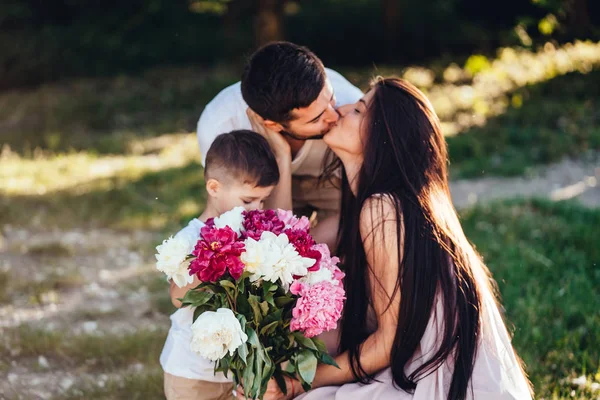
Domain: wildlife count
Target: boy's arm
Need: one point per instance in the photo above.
(177, 292)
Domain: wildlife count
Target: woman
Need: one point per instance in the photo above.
(421, 319)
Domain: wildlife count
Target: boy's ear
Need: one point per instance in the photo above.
(272, 125)
(212, 187)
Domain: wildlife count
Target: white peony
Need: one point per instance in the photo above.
(216, 333)
(171, 258)
(274, 258)
(233, 219)
(321, 275)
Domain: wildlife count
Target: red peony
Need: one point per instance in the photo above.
(258, 221)
(217, 252)
(303, 243)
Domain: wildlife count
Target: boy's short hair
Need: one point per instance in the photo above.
(280, 77)
(242, 155)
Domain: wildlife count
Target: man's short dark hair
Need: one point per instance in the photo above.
(242, 155)
(282, 76)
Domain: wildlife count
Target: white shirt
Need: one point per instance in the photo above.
(227, 112)
(177, 358)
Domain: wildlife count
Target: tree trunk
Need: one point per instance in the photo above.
(268, 25)
(579, 17)
(391, 23)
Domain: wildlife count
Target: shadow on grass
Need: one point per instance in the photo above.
(158, 200)
(544, 123)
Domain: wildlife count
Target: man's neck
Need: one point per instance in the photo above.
(295, 145)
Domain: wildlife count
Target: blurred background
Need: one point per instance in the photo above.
(99, 162)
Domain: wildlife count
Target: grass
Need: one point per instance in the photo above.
(545, 258)
(88, 351)
(105, 114)
(544, 123)
(143, 386)
(161, 199)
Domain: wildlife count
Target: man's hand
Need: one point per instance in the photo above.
(280, 146)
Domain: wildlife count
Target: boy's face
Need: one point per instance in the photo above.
(237, 194)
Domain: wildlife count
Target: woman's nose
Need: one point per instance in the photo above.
(343, 110)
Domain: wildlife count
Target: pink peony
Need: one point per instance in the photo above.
(326, 261)
(258, 221)
(218, 251)
(318, 308)
(304, 243)
(292, 222)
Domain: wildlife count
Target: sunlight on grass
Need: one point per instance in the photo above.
(83, 171)
(469, 96)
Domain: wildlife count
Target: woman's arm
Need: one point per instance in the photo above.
(378, 226)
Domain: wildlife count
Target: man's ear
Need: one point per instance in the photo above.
(213, 186)
(273, 126)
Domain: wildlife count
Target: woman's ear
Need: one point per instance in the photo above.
(212, 187)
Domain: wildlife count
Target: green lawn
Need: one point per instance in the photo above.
(545, 258)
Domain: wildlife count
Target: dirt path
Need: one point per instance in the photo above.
(568, 179)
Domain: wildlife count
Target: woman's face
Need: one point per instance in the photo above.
(347, 136)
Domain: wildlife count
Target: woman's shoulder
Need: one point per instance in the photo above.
(379, 209)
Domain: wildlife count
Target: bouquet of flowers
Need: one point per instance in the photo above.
(267, 289)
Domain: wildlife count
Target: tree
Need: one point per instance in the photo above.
(268, 23)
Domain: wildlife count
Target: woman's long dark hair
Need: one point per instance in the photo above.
(405, 159)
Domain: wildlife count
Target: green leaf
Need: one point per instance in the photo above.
(227, 284)
(282, 301)
(307, 365)
(280, 381)
(248, 377)
(243, 306)
(268, 370)
(269, 329)
(253, 338)
(327, 359)
(243, 352)
(264, 308)
(256, 308)
(242, 285)
(304, 341)
(274, 316)
(258, 370)
(320, 345)
(197, 298)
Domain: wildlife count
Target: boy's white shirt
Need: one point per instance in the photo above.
(227, 112)
(177, 358)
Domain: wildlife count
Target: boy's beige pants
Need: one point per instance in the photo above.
(177, 388)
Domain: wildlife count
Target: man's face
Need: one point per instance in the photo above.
(317, 118)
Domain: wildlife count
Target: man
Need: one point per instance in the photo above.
(289, 97)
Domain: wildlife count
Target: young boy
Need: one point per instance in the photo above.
(241, 170)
